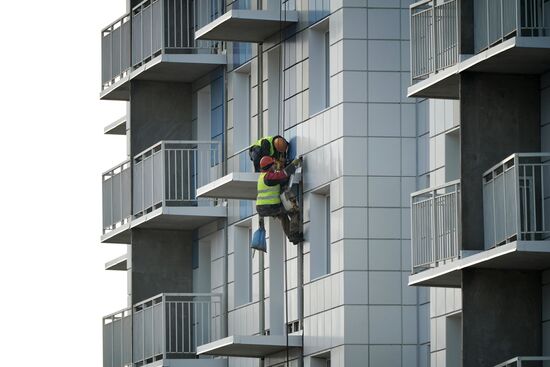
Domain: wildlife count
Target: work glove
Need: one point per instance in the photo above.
(297, 162)
(290, 169)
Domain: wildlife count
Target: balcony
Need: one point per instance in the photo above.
(516, 212)
(164, 182)
(516, 200)
(117, 203)
(235, 185)
(525, 362)
(243, 23)
(250, 346)
(510, 36)
(163, 331)
(118, 127)
(155, 41)
(119, 264)
(436, 226)
(241, 184)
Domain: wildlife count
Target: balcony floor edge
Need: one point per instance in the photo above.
(249, 346)
(204, 362)
(517, 255)
(524, 55)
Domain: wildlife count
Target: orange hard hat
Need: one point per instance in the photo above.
(266, 162)
(280, 144)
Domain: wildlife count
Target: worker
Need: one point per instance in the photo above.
(268, 202)
(268, 146)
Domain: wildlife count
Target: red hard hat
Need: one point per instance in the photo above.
(280, 144)
(266, 162)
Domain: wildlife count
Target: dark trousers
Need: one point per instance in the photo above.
(289, 221)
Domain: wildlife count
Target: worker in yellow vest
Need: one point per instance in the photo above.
(268, 201)
(268, 146)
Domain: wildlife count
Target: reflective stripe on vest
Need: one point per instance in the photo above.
(270, 140)
(267, 195)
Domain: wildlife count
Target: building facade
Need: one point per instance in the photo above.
(480, 230)
(202, 80)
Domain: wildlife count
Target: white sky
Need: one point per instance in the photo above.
(53, 289)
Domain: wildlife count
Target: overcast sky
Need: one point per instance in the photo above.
(53, 289)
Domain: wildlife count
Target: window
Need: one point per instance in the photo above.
(322, 360)
(453, 333)
(202, 271)
(242, 107)
(327, 234)
(203, 128)
(250, 269)
(326, 75)
(243, 264)
(271, 127)
(452, 155)
(204, 113)
(319, 67)
(319, 214)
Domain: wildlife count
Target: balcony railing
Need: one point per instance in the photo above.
(215, 8)
(208, 12)
(153, 27)
(516, 199)
(169, 172)
(166, 174)
(435, 225)
(525, 362)
(117, 339)
(434, 37)
(167, 326)
(115, 51)
(116, 196)
(497, 20)
(435, 29)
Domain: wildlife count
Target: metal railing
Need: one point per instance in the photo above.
(153, 27)
(116, 196)
(172, 325)
(435, 225)
(434, 37)
(169, 172)
(516, 198)
(435, 29)
(525, 362)
(497, 20)
(115, 51)
(167, 326)
(117, 339)
(208, 11)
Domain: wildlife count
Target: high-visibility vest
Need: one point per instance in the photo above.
(267, 195)
(270, 140)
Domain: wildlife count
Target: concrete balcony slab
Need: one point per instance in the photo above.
(120, 263)
(206, 362)
(175, 218)
(166, 67)
(253, 346)
(116, 128)
(117, 91)
(236, 185)
(180, 218)
(119, 235)
(517, 55)
(238, 25)
(517, 255)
